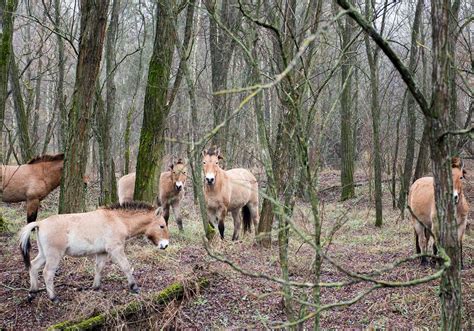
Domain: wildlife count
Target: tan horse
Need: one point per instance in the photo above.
(172, 183)
(229, 191)
(421, 200)
(102, 233)
(32, 182)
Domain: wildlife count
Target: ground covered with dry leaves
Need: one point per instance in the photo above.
(233, 300)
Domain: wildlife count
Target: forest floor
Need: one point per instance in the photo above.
(233, 300)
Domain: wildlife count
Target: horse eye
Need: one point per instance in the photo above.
(217, 162)
(203, 162)
(162, 226)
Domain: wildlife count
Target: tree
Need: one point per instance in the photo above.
(156, 107)
(7, 8)
(105, 115)
(91, 40)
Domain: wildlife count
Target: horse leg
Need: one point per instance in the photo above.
(36, 264)
(422, 241)
(166, 212)
(221, 218)
(177, 215)
(32, 210)
(49, 273)
(254, 215)
(417, 244)
(118, 256)
(237, 223)
(100, 261)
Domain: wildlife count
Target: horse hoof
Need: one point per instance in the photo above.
(134, 288)
(96, 288)
(54, 300)
(31, 297)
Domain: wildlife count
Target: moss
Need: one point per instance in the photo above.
(174, 291)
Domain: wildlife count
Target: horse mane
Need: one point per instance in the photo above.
(212, 151)
(130, 206)
(46, 158)
(456, 163)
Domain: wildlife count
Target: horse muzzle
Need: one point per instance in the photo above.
(456, 197)
(163, 244)
(179, 186)
(210, 180)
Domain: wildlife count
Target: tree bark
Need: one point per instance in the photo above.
(60, 98)
(105, 115)
(347, 146)
(20, 112)
(411, 113)
(156, 108)
(91, 41)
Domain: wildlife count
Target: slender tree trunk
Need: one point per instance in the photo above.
(411, 113)
(60, 98)
(37, 108)
(347, 146)
(20, 112)
(91, 41)
(156, 108)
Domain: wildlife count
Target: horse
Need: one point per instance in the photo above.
(172, 183)
(102, 233)
(421, 200)
(32, 182)
(229, 191)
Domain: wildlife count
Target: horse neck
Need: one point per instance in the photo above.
(136, 222)
(55, 172)
(221, 179)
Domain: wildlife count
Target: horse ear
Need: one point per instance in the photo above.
(159, 211)
(204, 152)
(220, 157)
(171, 166)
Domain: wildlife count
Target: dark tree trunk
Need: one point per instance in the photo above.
(20, 112)
(105, 115)
(156, 108)
(91, 41)
(7, 9)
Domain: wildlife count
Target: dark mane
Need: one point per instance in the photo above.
(131, 206)
(212, 151)
(46, 158)
(180, 161)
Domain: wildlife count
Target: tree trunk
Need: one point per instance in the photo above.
(450, 288)
(7, 8)
(221, 48)
(91, 40)
(156, 109)
(60, 98)
(105, 115)
(20, 112)
(411, 113)
(347, 146)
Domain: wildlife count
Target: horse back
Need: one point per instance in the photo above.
(243, 187)
(20, 182)
(126, 188)
(167, 192)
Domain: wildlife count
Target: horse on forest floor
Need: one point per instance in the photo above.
(32, 182)
(421, 200)
(171, 190)
(229, 191)
(102, 233)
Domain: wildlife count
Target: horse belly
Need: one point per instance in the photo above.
(80, 246)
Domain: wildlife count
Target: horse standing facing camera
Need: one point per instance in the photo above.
(102, 233)
(229, 191)
(421, 200)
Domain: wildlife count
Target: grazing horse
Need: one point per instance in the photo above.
(102, 233)
(171, 193)
(229, 191)
(421, 200)
(32, 182)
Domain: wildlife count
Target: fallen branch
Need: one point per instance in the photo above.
(175, 291)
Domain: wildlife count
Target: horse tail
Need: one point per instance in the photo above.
(25, 245)
(247, 218)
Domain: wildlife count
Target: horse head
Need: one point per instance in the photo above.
(458, 173)
(210, 163)
(178, 174)
(157, 231)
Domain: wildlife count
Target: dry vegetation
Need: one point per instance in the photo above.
(233, 300)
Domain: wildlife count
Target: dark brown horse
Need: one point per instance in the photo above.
(32, 182)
